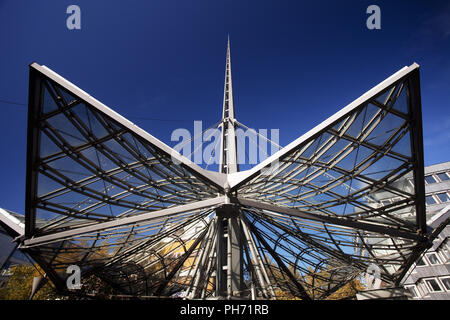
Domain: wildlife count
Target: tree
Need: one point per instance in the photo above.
(328, 278)
(332, 281)
(20, 284)
(348, 291)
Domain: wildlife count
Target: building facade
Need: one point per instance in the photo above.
(9, 253)
(429, 277)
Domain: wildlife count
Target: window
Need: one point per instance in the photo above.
(433, 285)
(413, 290)
(446, 282)
(422, 288)
(443, 197)
(443, 254)
(433, 258)
(421, 262)
(445, 248)
(443, 176)
(430, 200)
(443, 251)
(430, 179)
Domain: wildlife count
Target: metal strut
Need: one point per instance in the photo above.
(229, 267)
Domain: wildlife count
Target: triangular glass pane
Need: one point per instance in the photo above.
(349, 161)
(321, 198)
(120, 151)
(90, 121)
(73, 200)
(42, 216)
(100, 186)
(338, 126)
(357, 125)
(48, 104)
(298, 177)
(115, 190)
(136, 144)
(99, 159)
(129, 179)
(70, 168)
(363, 154)
(135, 198)
(104, 210)
(341, 189)
(337, 147)
(404, 145)
(311, 149)
(47, 146)
(46, 185)
(382, 98)
(384, 129)
(382, 168)
(357, 185)
(405, 183)
(321, 180)
(68, 97)
(338, 209)
(67, 130)
(401, 104)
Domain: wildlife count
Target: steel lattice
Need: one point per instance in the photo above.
(107, 196)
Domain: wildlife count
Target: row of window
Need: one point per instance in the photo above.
(437, 198)
(441, 256)
(430, 260)
(429, 285)
(437, 177)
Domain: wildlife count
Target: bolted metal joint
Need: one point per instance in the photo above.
(229, 210)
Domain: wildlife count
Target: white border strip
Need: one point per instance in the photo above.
(12, 222)
(237, 178)
(215, 177)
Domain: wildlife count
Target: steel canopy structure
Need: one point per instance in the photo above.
(107, 196)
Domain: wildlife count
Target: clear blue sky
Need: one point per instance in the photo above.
(294, 63)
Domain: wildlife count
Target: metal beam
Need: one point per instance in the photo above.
(122, 222)
(235, 258)
(199, 270)
(12, 223)
(228, 156)
(33, 145)
(280, 263)
(258, 265)
(180, 263)
(345, 222)
(229, 246)
(415, 110)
